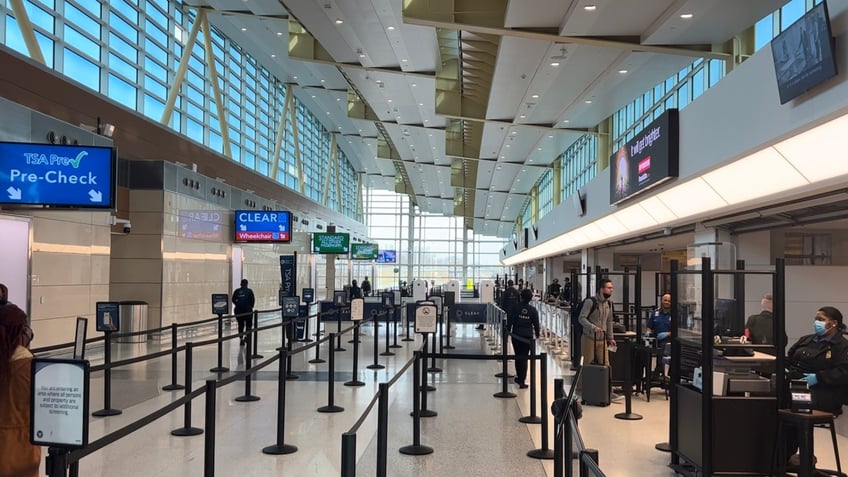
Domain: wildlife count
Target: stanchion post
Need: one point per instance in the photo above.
(424, 412)
(433, 368)
(354, 381)
(408, 322)
(386, 352)
(395, 327)
(331, 380)
(628, 415)
(281, 447)
(533, 418)
(382, 428)
(504, 349)
(416, 448)
(562, 440)
(248, 363)
(107, 381)
(220, 368)
(544, 452)
(57, 462)
(173, 386)
(317, 359)
(254, 333)
(349, 454)
(376, 364)
(339, 331)
(448, 325)
(209, 438)
(504, 374)
(593, 454)
(187, 430)
(289, 343)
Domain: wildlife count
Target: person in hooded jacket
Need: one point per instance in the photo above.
(522, 324)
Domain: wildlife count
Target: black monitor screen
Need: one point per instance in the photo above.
(803, 54)
(727, 321)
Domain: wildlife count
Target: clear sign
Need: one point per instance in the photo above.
(59, 402)
(357, 309)
(425, 319)
(220, 303)
(263, 226)
(108, 316)
(50, 174)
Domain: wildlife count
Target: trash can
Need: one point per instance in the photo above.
(133, 316)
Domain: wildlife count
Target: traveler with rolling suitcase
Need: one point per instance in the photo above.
(596, 319)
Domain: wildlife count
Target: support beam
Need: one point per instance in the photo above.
(216, 87)
(27, 31)
(179, 76)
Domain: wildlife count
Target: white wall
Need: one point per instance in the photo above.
(808, 289)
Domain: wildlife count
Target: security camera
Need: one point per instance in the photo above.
(127, 228)
(126, 223)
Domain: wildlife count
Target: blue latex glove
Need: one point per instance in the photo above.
(662, 336)
(811, 379)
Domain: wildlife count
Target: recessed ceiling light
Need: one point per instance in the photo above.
(313, 95)
(550, 136)
(403, 60)
(588, 101)
(565, 121)
(338, 99)
(623, 72)
(243, 29)
(522, 116)
(420, 104)
(322, 81)
(590, 8)
(339, 21)
(538, 149)
(555, 63)
(535, 96)
(508, 145)
(388, 100)
(279, 33)
(273, 55)
(414, 85)
(514, 132)
(295, 77)
(686, 16)
(390, 28)
(362, 55)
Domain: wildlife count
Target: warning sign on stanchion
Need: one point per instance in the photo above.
(59, 402)
(357, 309)
(425, 319)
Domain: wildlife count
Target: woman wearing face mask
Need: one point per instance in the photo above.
(18, 457)
(822, 360)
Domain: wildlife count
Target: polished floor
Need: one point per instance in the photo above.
(474, 433)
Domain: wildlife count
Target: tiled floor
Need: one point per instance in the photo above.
(473, 434)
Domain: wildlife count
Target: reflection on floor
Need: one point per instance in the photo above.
(473, 434)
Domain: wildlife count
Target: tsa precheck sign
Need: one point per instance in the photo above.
(47, 174)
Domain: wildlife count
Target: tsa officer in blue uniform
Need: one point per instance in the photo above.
(659, 325)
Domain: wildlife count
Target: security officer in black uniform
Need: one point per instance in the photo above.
(523, 326)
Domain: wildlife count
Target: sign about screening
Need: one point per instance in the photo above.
(57, 175)
(60, 397)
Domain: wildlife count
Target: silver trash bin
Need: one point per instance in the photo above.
(133, 318)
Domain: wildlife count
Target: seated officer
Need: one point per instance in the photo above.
(659, 326)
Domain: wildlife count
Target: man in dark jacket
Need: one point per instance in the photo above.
(523, 326)
(509, 297)
(243, 301)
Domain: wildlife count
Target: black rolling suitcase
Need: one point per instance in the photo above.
(596, 382)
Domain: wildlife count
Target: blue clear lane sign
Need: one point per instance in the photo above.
(49, 174)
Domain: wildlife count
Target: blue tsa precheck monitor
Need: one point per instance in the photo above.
(57, 175)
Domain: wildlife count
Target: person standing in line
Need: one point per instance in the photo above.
(366, 287)
(355, 291)
(243, 301)
(509, 297)
(18, 457)
(523, 326)
(596, 319)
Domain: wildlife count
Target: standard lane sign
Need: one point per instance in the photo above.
(49, 174)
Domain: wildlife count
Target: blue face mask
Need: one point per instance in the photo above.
(820, 327)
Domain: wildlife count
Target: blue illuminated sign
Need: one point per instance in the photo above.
(263, 226)
(48, 174)
(386, 256)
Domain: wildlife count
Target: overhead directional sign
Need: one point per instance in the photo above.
(49, 174)
(263, 226)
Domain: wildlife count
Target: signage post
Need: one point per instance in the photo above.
(108, 321)
(220, 307)
(308, 295)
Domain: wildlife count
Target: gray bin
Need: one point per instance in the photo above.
(133, 315)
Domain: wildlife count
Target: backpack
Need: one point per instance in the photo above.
(576, 309)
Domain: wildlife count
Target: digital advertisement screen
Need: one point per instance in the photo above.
(363, 251)
(803, 54)
(647, 160)
(331, 243)
(56, 175)
(201, 224)
(263, 226)
(386, 256)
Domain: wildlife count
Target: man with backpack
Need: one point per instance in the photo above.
(243, 301)
(596, 316)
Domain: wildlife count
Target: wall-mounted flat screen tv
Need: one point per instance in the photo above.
(386, 256)
(803, 54)
(57, 175)
(363, 251)
(263, 226)
(331, 243)
(647, 160)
